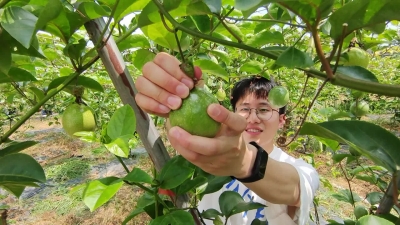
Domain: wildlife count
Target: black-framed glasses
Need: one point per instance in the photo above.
(263, 113)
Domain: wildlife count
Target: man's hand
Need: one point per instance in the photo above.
(227, 154)
(163, 85)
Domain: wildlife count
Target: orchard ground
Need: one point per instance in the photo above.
(69, 161)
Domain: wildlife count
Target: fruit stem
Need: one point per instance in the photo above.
(301, 96)
(50, 94)
(345, 25)
(123, 164)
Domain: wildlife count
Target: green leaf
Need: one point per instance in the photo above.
(339, 157)
(346, 196)
(99, 192)
(356, 72)
(20, 168)
(232, 203)
(202, 22)
(223, 56)
(292, 58)
(374, 197)
(122, 122)
(92, 10)
(247, 4)
(88, 136)
(5, 58)
(362, 13)
(214, 183)
(15, 189)
(189, 185)
(134, 41)
(214, 5)
(175, 172)
(258, 222)
(211, 214)
(15, 147)
(252, 67)
(371, 140)
(373, 220)
(37, 92)
(16, 75)
(19, 23)
(177, 217)
(141, 57)
(86, 82)
(266, 37)
(126, 7)
(160, 35)
(75, 50)
(210, 67)
(49, 12)
(119, 147)
(138, 176)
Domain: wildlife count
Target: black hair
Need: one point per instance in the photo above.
(259, 86)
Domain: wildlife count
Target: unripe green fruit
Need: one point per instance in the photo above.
(278, 96)
(360, 211)
(221, 95)
(359, 109)
(356, 57)
(78, 117)
(192, 116)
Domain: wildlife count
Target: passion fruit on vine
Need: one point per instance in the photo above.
(78, 117)
(192, 115)
(356, 57)
(359, 108)
(278, 96)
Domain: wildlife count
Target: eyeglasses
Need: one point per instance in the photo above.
(263, 113)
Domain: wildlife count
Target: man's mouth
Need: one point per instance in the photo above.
(253, 130)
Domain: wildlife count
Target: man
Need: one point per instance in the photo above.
(243, 149)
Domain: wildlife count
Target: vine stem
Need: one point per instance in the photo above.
(348, 182)
(3, 3)
(345, 25)
(301, 96)
(49, 95)
(306, 114)
(123, 164)
(106, 26)
(151, 192)
(320, 53)
(266, 20)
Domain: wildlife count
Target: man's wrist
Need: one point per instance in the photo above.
(248, 162)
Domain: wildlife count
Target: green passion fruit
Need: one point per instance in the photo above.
(192, 116)
(221, 95)
(356, 57)
(278, 96)
(78, 117)
(359, 109)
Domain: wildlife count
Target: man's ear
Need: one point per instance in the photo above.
(282, 120)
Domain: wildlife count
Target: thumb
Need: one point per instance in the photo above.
(232, 120)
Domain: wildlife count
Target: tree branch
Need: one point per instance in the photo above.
(49, 95)
(342, 80)
(3, 3)
(266, 20)
(229, 29)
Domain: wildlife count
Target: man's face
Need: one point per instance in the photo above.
(259, 130)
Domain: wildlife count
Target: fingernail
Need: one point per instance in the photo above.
(215, 111)
(163, 108)
(175, 133)
(188, 82)
(174, 102)
(182, 90)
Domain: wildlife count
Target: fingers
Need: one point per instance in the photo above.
(151, 106)
(149, 89)
(171, 67)
(236, 123)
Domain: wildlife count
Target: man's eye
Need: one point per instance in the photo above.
(264, 110)
(245, 110)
